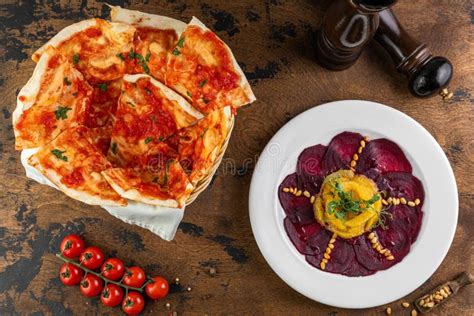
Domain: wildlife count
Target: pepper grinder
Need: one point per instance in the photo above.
(426, 74)
(348, 26)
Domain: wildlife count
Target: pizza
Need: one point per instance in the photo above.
(54, 99)
(198, 146)
(155, 37)
(148, 112)
(203, 69)
(136, 109)
(73, 162)
(156, 179)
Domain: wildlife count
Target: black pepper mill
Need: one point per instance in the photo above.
(347, 27)
(426, 74)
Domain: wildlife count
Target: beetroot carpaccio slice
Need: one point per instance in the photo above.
(290, 202)
(401, 184)
(383, 155)
(340, 151)
(382, 161)
(309, 169)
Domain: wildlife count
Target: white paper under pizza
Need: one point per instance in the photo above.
(163, 221)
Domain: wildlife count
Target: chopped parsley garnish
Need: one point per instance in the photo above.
(148, 139)
(346, 204)
(161, 138)
(61, 112)
(114, 148)
(102, 86)
(167, 167)
(147, 57)
(180, 43)
(189, 94)
(66, 81)
(119, 55)
(131, 55)
(176, 51)
(76, 58)
(59, 154)
(131, 104)
(202, 83)
(143, 62)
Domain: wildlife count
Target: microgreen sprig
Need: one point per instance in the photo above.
(346, 204)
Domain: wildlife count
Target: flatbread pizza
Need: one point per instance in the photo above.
(199, 145)
(148, 112)
(55, 98)
(203, 69)
(155, 37)
(73, 162)
(94, 46)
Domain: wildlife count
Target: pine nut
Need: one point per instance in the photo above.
(422, 302)
(414, 312)
(403, 200)
(328, 250)
(388, 311)
(360, 150)
(323, 265)
(379, 247)
(327, 256)
(324, 260)
(405, 304)
(390, 258)
(298, 193)
(286, 190)
(383, 251)
(411, 203)
(331, 246)
(333, 240)
(307, 194)
(291, 190)
(371, 235)
(366, 138)
(375, 245)
(389, 200)
(374, 240)
(362, 143)
(417, 201)
(384, 202)
(353, 163)
(429, 304)
(312, 199)
(355, 157)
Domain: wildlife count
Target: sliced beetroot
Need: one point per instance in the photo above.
(384, 156)
(371, 259)
(342, 256)
(318, 242)
(340, 151)
(401, 184)
(356, 269)
(289, 201)
(309, 168)
(402, 217)
(299, 234)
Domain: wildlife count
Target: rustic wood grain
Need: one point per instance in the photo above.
(272, 39)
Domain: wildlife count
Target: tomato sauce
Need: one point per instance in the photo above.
(74, 179)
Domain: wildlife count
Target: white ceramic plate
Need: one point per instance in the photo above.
(317, 126)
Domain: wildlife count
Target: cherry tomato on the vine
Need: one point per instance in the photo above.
(134, 276)
(91, 285)
(157, 288)
(92, 257)
(112, 295)
(133, 303)
(72, 246)
(112, 269)
(70, 275)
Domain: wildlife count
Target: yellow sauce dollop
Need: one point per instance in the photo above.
(361, 188)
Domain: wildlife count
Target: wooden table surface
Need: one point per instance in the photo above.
(273, 41)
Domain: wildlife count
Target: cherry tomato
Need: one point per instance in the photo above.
(91, 285)
(133, 303)
(92, 257)
(72, 246)
(70, 275)
(112, 269)
(157, 288)
(112, 295)
(134, 276)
